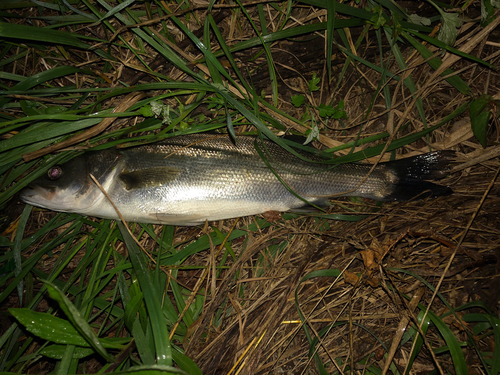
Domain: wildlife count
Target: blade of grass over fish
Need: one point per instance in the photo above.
(151, 298)
(78, 321)
(258, 123)
(263, 155)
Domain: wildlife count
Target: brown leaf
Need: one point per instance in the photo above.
(369, 260)
(374, 282)
(351, 277)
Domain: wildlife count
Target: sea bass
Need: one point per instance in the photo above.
(186, 180)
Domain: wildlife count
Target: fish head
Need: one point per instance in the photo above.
(68, 187)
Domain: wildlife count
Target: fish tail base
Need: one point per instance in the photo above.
(412, 175)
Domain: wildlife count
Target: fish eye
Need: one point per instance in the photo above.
(55, 172)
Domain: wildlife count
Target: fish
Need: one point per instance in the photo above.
(187, 180)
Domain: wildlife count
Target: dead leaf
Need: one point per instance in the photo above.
(351, 277)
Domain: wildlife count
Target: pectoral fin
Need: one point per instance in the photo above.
(148, 178)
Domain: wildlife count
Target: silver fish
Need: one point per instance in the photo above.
(189, 179)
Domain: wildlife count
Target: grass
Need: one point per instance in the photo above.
(322, 292)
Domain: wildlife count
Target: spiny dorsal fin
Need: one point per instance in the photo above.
(148, 178)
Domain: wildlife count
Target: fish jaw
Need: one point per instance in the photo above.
(37, 196)
(64, 200)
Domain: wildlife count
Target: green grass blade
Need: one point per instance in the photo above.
(59, 352)
(152, 298)
(17, 249)
(495, 325)
(49, 327)
(48, 132)
(435, 63)
(117, 9)
(330, 28)
(78, 321)
(452, 343)
(227, 52)
(293, 32)
(65, 363)
(269, 57)
(40, 78)
(452, 50)
(412, 331)
(184, 362)
(40, 34)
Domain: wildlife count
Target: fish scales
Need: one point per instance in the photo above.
(189, 179)
(216, 173)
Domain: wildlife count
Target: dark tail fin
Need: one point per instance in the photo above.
(411, 175)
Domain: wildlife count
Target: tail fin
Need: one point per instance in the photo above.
(411, 175)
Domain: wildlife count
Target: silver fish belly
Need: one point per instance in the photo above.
(189, 179)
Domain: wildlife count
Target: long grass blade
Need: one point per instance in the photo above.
(151, 298)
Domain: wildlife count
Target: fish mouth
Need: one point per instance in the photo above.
(37, 195)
